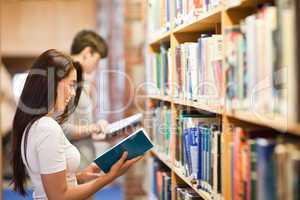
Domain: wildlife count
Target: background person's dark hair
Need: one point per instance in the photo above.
(37, 99)
(87, 38)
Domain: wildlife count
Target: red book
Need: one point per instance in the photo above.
(239, 154)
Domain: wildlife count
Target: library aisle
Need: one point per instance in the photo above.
(215, 81)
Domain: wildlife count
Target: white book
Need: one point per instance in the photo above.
(123, 123)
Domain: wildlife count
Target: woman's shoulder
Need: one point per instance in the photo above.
(46, 125)
(47, 121)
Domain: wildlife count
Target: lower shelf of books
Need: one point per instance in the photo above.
(180, 174)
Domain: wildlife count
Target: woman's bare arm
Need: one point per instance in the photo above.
(56, 187)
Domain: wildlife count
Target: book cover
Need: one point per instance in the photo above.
(136, 145)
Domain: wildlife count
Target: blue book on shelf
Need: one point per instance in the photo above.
(187, 151)
(135, 144)
(266, 177)
(194, 151)
(199, 176)
(209, 170)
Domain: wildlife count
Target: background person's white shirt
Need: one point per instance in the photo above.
(49, 151)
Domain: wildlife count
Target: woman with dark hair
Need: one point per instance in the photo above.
(50, 94)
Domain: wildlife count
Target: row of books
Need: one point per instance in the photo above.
(193, 144)
(197, 74)
(159, 12)
(255, 166)
(162, 130)
(197, 149)
(188, 10)
(161, 76)
(198, 70)
(161, 185)
(159, 16)
(261, 71)
(250, 62)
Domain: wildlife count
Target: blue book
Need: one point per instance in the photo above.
(187, 151)
(265, 169)
(135, 144)
(194, 151)
(200, 146)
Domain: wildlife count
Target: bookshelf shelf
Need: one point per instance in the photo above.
(199, 106)
(276, 123)
(246, 4)
(204, 22)
(160, 98)
(159, 37)
(179, 173)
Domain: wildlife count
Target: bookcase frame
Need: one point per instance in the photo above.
(215, 20)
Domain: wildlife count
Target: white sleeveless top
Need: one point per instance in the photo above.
(49, 151)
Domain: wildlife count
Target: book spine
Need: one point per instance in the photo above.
(265, 169)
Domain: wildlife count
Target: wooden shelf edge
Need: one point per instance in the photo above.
(277, 123)
(156, 39)
(160, 97)
(204, 18)
(201, 193)
(197, 105)
(246, 4)
(188, 103)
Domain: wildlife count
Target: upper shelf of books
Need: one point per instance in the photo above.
(186, 21)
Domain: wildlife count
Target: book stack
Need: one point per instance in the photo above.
(161, 72)
(159, 16)
(163, 131)
(259, 168)
(260, 63)
(161, 185)
(184, 193)
(187, 10)
(250, 61)
(198, 70)
(197, 149)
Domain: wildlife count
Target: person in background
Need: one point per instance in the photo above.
(7, 110)
(39, 144)
(87, 49)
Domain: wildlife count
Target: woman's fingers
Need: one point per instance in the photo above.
(123, 158)
(128, 163)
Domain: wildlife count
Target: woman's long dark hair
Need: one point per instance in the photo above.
(37, 99)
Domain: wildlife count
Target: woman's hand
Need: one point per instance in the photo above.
(120, 167)
(83, 177)
(98, 136)
(102, 125)
(89, 173)
(99, 132)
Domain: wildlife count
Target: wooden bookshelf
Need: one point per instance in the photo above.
(216, 21)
